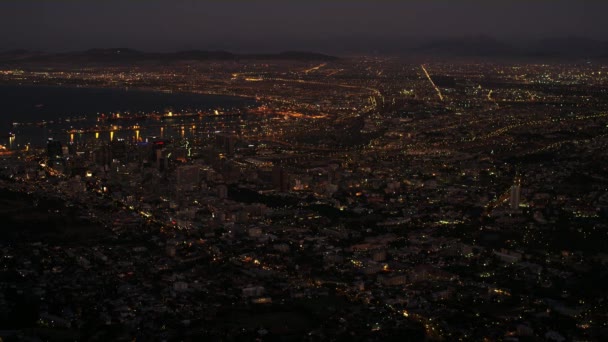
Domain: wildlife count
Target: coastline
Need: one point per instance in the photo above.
(29, 104)
(127, 89)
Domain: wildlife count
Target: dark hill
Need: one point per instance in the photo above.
(126, 55)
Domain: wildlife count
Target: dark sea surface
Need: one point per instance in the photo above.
(70, 107)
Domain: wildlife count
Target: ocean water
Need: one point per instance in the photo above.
(44, 112)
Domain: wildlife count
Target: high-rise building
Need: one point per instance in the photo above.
(54, 149)
(225, 143)
(119, 150)
(515, 195)
(162, 160)
(280, 179)
(103, 156)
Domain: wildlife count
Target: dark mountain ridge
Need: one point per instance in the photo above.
(127, 55)
(560, 48)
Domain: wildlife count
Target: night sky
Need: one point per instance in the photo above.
(277, 25)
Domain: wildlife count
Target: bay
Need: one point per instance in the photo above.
(42, 112)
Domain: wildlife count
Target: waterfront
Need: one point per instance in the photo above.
(36, 113)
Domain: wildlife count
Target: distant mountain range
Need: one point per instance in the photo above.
(484, 46)
(126, 55)
(465, 46)
(471, 46)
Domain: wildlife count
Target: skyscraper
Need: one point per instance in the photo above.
(515, 195)
(280, 179)
(54, 149)
(225, 143)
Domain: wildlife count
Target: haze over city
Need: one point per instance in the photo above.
(270, 26)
